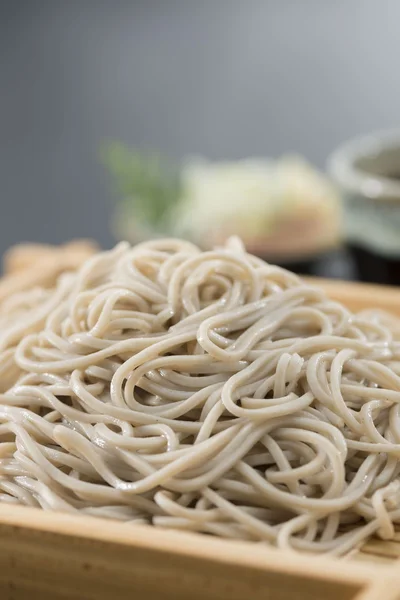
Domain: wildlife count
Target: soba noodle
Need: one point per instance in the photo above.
(204, 391)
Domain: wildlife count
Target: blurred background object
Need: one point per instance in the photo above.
(367, 170)
(283, 210)
(223, 79)
(147, 187)
(22, 257)
(40, 265)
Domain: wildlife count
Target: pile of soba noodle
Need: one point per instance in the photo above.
(203, 391)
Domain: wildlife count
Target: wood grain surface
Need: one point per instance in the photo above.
(62, 556)
(360, 296)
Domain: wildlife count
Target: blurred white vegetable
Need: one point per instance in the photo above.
(282, 209)
(279, 208)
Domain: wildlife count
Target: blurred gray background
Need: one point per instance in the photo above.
(222, 78)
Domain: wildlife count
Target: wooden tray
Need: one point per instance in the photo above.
(51, 556)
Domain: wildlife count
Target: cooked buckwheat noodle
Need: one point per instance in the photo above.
(202, 391)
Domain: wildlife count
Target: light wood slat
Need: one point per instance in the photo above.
(27, 266)
(74, 557)
(383, 589)
(376, 559)
(360, 296)
(382, 548)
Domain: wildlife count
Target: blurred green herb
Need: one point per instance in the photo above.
(147, 184)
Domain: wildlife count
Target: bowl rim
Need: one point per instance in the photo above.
(342, 167)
